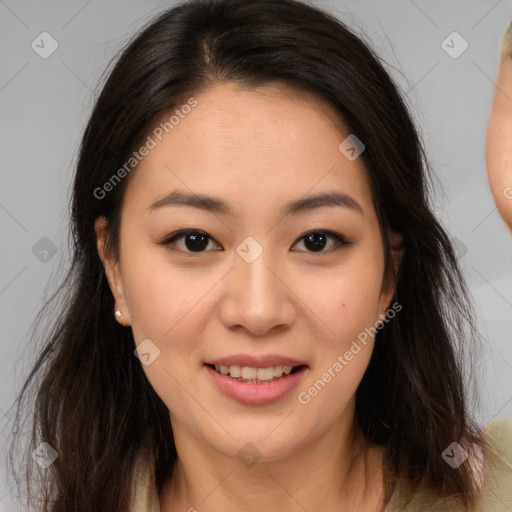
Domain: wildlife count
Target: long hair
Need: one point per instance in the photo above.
(93, 403)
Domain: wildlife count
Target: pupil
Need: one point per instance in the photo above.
(315, 241)
(199, 242)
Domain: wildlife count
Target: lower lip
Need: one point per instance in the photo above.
(253, 393)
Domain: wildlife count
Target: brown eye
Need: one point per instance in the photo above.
(193, 240)
(316, 241)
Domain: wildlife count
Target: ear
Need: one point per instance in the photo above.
(112, 271)
(396, 244)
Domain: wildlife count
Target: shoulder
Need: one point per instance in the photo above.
(497, 491)
(496, 495)
(499, 432)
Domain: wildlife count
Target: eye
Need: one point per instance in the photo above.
(197, 241)
(316, 241)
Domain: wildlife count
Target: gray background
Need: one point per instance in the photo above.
(44, 104)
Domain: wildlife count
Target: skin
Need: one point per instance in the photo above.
(498, 148)
(256, 150)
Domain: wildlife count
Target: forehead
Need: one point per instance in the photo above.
(254, 147)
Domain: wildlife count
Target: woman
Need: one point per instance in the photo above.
(263, 311)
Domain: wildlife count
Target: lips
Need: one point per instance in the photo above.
(245, 368)
(256, 361)
(256, 380)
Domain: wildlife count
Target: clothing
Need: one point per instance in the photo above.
(497, 492)
(496, 495)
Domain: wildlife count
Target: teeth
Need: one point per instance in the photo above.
(235, 371)
(253, 374)
(249, 373)
(265, 373)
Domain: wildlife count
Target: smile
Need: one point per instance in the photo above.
(256, 385)
(255, 374)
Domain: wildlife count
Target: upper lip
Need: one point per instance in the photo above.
(256, 361)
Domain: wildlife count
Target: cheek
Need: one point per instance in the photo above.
(347, 306)
(162, 299)
(166, 307)
(344, 301)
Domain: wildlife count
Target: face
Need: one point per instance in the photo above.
(262, 276)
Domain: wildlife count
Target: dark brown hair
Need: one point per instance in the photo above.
(93, 402)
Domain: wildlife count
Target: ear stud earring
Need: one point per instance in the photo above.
(117, 313)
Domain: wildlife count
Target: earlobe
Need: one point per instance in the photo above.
(111, 267)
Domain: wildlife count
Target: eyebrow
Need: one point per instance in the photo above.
(216, 205)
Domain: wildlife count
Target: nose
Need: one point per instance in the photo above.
(257, 297)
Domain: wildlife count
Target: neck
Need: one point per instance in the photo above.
(339, 467)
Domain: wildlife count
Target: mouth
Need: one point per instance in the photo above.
(256, 375)
(256, 385)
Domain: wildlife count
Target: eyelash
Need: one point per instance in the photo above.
(340, 240)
